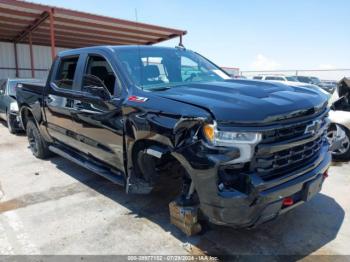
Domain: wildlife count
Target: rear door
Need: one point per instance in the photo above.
(99, 118)
(59, 98)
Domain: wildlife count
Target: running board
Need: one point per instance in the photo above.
(84, 162)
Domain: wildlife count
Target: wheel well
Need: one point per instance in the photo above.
(26, 114)
(166, 166)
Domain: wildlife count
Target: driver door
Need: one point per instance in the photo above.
(97, 113)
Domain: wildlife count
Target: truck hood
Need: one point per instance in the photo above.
(246, 101)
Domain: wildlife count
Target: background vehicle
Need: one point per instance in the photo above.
(328, 85)
(309, 79)
(339, 131)
(270, 77)
(288, 80)
(246, 150)
(8, 102)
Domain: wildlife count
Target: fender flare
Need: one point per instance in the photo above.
(24, 116)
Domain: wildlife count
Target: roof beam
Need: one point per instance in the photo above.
(31, 28)
(120, 28)
(86, 37)
(79, 42)
(16, 13)
(24, 5)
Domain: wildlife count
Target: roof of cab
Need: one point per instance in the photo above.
(109, 48)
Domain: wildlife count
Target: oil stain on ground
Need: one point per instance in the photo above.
(53, 193)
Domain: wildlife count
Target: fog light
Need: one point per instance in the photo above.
(288, 201)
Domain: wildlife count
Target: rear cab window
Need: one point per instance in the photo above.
(66, 72)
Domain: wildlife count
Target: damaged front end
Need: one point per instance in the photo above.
(239, 176)
(284, 167)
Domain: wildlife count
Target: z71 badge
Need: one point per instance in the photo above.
(138, 99)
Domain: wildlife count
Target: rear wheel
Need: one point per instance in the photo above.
(10, 123)
(37, 143)
(339, 138)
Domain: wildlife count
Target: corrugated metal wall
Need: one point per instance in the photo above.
(41, 55)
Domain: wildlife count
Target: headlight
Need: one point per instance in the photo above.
(14, 107)
(244, 141)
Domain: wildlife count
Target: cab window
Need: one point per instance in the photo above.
(66, 72)
(98, 68)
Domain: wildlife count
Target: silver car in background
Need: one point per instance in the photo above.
(339, 132)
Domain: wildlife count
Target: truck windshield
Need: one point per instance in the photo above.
(157, 68)
(12, 88)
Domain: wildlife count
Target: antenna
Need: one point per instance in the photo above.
(136, 17)
(139, 53)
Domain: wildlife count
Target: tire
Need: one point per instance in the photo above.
(10, 124)
(146, 167)
(37, 143)
(342, 153)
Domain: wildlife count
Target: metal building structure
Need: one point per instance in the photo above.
(35, 30)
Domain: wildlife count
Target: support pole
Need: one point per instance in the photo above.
(180, 44)
(31, 55)
(16, 59)
(52, 34)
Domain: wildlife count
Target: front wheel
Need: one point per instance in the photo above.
(37, 143)
(339, 139)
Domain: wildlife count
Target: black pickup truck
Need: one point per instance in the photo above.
(247, 150)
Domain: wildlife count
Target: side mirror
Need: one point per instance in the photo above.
(95, 86)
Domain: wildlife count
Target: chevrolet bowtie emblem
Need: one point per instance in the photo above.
(313, 127)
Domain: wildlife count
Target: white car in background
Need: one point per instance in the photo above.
(288, 80)
(339, 131)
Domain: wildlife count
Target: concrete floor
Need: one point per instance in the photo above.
(57, 207)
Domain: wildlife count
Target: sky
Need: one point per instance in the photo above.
(249, 34)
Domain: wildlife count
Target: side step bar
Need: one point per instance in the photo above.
(84, 162)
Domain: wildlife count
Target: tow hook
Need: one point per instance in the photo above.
(288, 201)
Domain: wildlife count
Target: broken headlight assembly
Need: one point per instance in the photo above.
(14, 107)
(244, 141)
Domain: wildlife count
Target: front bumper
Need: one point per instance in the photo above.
(264, 202)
